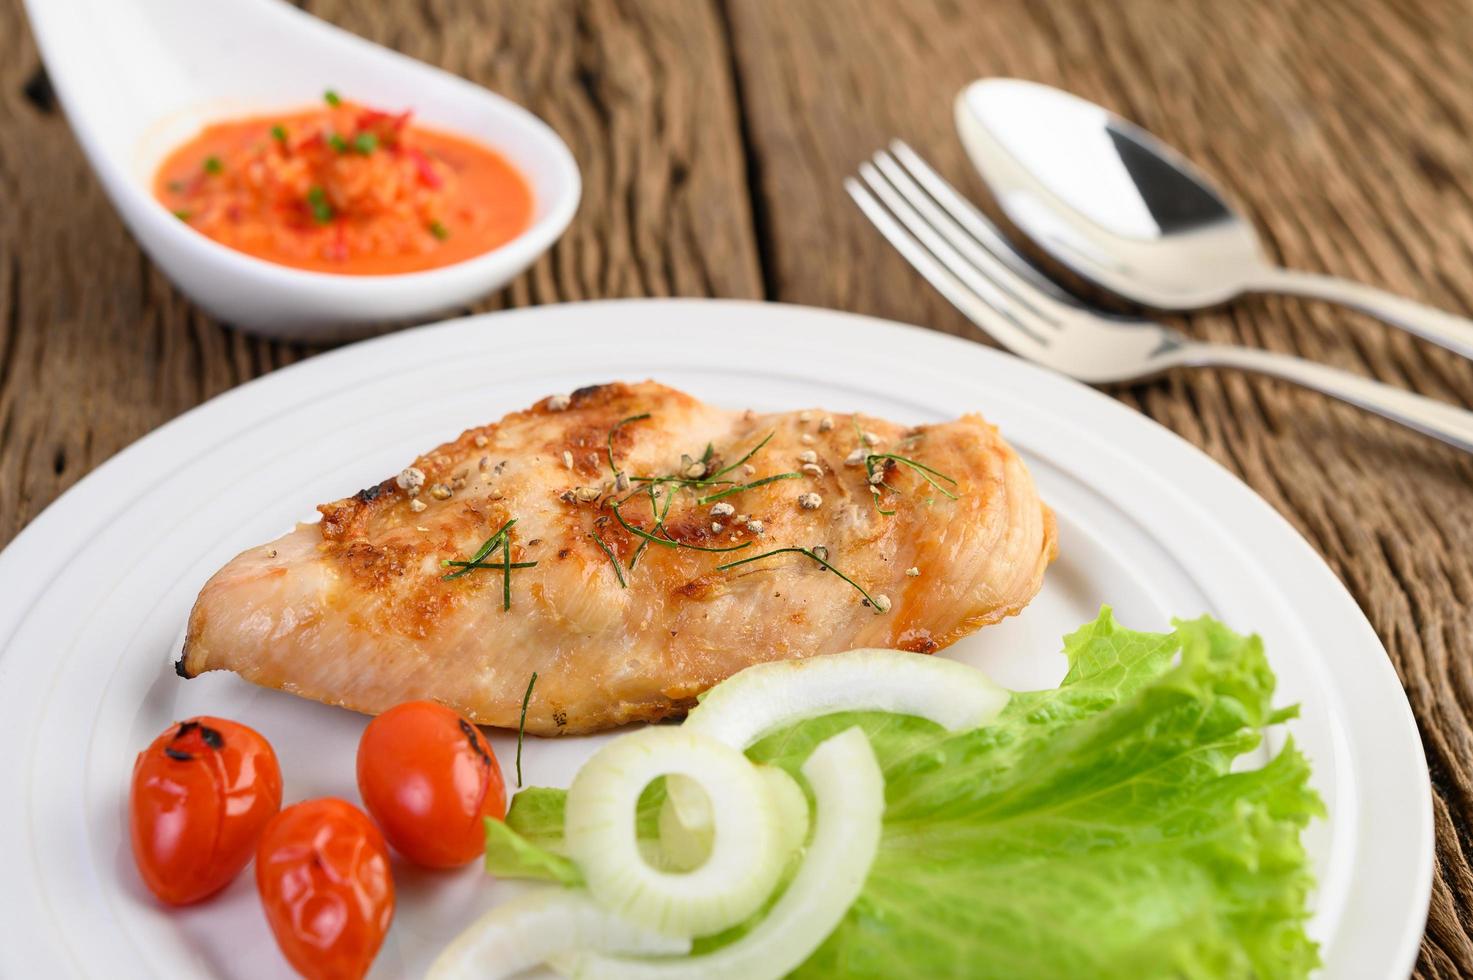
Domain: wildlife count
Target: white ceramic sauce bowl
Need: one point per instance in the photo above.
(137, 78)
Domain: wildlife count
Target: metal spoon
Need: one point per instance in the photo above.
(1122, 209)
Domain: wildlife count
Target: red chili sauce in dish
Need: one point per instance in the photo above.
(345, 189)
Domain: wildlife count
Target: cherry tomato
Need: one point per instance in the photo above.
(202, 792)
(323, 873)
(430, 780)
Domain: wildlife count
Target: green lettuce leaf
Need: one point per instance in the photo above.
(529, 843)
(510, 855)
(1093, 830)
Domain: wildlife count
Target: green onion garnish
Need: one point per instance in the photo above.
(471, 566)
(522, 725)
(322, 212)
(213, 165)
(618, 572)
(925, 471)
(746, 486)
(804, 551)
(331, 98)
(616, 427)
(365, 143)
(278, 133)
(439, 230)
(182, 214)
(335, 141)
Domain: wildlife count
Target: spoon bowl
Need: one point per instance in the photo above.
(139, 77)
(1105, 198)
(1125, 211)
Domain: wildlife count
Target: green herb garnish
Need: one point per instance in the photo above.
(874, 494)
(213, 165)
(618, 572)
(522, 724)
(616, 427)
(925, 471)
(439, 231)
(659, 523)
(481, 552)
(365, 143)
(804, 551)
(746, 486)
(278, 133)
(322, 212)
(662, 542)
(501, 538)
(506, 576)
(331, 98)
(750, 453)
(668, 542)
(182, 214)
(335, 141)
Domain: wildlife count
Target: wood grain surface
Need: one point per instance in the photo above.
(713, 138)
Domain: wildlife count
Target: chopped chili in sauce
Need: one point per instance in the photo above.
(345, 189)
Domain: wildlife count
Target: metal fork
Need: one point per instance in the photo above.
(973, 265)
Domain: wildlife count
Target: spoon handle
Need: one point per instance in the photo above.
(1440, 420)
(1443, 328)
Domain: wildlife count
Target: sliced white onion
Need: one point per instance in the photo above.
(767, 697)
(517, 935)
(850, 793)
(685, 836)
(770, 696)
(745, 858)
(790, 806)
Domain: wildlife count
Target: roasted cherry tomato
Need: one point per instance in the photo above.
(323, 873)
(430, 780)
(202, 793)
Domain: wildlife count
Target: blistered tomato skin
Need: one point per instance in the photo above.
(429, 779)
(202, 793)
(322, 870)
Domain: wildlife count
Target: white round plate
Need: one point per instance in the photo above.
(98, 587)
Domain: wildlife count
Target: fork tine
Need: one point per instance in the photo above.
(965, 213)
(990, 265)
(1000, 328)
(1020, 316)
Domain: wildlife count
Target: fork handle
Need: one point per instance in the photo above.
(1440, 420)
(1446, 329)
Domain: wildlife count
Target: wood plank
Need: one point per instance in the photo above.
(97, 348)
(1343, 129)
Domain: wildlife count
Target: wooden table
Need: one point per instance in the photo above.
(713, 137)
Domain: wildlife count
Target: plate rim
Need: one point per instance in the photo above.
(13, 559)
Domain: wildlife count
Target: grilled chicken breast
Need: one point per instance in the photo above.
(358, 609)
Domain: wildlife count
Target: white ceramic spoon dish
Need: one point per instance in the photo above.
(139, 77)
(98, 587)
